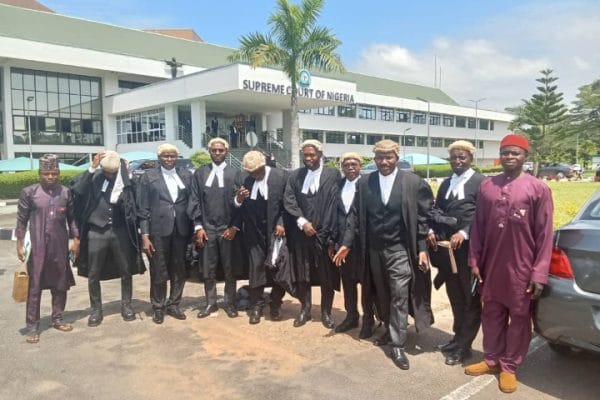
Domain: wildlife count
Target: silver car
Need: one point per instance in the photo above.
(568, 313)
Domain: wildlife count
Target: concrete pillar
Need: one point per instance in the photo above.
(171, 124)
(198, 109)
(6, 127)
(287, 128)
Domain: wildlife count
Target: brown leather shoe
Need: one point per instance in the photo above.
(481, 368)
(33, 339)
(507, 382)
(63, 327)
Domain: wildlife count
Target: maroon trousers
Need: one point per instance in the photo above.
(32, 316)
(506, 334)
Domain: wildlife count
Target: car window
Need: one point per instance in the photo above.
(592, 211)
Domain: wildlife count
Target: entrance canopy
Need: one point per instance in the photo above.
(235, 88)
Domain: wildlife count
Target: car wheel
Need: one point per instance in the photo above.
(561, 349)
(560, 175)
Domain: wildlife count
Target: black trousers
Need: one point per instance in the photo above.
(349, 285)
(257, 299)
(218, 251)
(167, 264)
(466, 307)
(102, 242)
(391, 273)
(327, 289)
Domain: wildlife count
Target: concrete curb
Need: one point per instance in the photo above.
(9, 202)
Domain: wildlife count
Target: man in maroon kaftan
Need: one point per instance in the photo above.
(511, 245)
(48, 208)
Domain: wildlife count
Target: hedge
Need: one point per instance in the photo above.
(11, 184)
(444, 170)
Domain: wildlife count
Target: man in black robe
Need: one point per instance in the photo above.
(353, 270)
(310, 199)
(393, 237)
(211, 208)
(260, 207)
(166, 230)
(107, 215)
(455, 201)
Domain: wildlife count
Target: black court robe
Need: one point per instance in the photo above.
(256, 241)
(86, 190)
(354, 267)
(199, 212)
(417, 198)
(320, 210)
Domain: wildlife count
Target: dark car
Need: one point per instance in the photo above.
(138, 167)
(568, 312)
(556, 170)
(370, 167)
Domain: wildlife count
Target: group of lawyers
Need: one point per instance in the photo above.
(489, 239)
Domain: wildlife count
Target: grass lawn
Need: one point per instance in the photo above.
(568, 197)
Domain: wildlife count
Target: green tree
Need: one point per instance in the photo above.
(586, 120)
(200, 158)
(543, 118)
(293, 43)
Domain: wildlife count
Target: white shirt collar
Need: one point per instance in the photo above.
(457, 184)
(312, 180)
(261, 186)
(348, 192)
(217, 170)
(385, 184)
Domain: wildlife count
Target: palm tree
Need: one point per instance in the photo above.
(293, 43)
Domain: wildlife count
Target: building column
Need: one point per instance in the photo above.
(198, 109)
(171, 123)
(287, 128)
(6, 148)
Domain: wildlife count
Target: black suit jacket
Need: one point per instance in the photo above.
(158, 215)
(197, 210)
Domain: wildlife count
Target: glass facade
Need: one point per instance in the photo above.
(58, 108)
(146, 126)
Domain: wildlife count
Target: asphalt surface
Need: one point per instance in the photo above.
(222, 358)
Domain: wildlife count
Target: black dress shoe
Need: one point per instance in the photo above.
(275, 313)
(448, 347)
(208, 310)
(127, 312)
(255, 315)
(327, 320)
(383, 340)
(458, 356)
(302, 318)
(366, 330)
(230, 311)
(399, 358)
(176, 312)
(350, 322)
(159, 316)
(95, 318)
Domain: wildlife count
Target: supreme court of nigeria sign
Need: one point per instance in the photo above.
(277, 88)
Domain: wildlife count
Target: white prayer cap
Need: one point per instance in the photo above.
(167, 148)
(111, 161)
(253, 160)
(462, 145)
(218, 140)
(314, 143)
(386, 146)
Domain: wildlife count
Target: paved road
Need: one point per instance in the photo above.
(222, 358)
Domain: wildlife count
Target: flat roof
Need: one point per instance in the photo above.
(80, 33)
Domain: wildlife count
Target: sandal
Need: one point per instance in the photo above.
(33, 339)
(63, 327)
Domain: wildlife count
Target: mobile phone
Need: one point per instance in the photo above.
(473, 285)
(423, 267)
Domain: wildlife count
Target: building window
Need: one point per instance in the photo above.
(434, 119)
(421, 141)
(355, 138)
(437, 142)
(386, 114)
(491, 125)
(409, 141)
(334, 137)
(471, 123)
(142, 127)
(347, 111)
(317, 135)
(448, 142)
(402, 115)
(324, 111)
(448, 120)
(461, 122)
(394, 138)
(62, 108)
(418, 118)
(372, 139)
(126, 86)
(484, 124)
(366, 111)
(184, 124)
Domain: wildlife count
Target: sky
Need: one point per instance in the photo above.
(490, 50)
